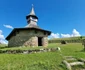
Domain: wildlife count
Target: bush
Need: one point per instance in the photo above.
(63, 42)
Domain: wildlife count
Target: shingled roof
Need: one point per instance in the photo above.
(15, 29)
(32, 13)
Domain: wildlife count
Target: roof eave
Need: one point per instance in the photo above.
(8, 37)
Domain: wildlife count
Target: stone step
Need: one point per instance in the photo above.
(81, 59)
(79, 69)
(76, 63)
(71, 62)
(68, 66)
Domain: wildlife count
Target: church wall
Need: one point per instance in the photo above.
(45, 41)
(28, 38)
(33, 42)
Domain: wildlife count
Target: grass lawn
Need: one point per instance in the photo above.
(41, 61)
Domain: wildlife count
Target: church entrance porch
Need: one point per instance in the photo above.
(40, 41)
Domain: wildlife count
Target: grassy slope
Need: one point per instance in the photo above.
(40, 61)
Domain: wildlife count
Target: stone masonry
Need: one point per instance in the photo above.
(28, 38)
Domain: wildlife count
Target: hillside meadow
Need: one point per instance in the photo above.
(40, 61)
(68, 40)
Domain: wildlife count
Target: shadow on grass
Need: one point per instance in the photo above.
(78, 67)
(82, 50)
(4, 47)
(62, 66)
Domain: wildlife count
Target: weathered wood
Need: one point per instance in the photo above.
(76, 63)
(68, 66)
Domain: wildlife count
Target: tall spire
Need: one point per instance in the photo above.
(32, 18)
(32, 11)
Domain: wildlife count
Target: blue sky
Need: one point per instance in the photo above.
(62, 17)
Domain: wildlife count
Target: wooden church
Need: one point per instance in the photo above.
(31, 35)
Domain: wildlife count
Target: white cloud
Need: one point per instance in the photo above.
(3, 42)
(75, 33)
(0, 32)
(2, 38)
(65, 35)
(53, 35)
(8, 26)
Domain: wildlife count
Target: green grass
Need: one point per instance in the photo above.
(41, 61)
(19, 48)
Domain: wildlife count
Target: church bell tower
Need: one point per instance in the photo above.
(32, 19)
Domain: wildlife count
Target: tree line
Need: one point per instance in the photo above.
(68, 41)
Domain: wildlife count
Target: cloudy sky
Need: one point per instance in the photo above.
(65, 18)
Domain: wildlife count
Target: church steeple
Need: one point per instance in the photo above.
(32, 18)
(32, 11)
